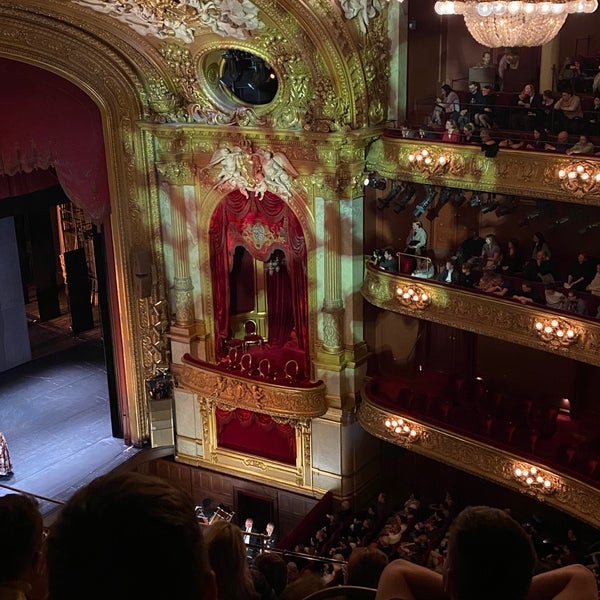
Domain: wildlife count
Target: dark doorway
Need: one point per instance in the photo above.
(259, 508)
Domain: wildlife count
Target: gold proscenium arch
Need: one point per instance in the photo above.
(125, 85)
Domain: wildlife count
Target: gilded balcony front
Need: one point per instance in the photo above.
(484, 314)
(520, 173)
(481, 459)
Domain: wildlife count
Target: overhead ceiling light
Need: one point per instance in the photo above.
(508, 23)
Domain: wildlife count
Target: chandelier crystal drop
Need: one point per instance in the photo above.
(507, 23)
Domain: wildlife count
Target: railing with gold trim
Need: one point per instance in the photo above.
(488, 315)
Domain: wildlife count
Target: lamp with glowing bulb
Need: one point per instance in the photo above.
(556, 331)
(401, 428)
(535, 480)
(412, 296)
(509, 23)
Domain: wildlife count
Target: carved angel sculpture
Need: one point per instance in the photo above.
(231, 174)
(277, 172)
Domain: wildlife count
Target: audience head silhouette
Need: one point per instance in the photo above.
(489, 556)
(125, 536)
(21, 526)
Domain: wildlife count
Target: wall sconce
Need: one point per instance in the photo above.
(579, 178)
(413, 296)
(534, 480)
(403, 429)
(428, 163)
(375, 181)
(556, 331)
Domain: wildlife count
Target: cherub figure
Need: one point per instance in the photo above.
(277, 172)
(231, 174)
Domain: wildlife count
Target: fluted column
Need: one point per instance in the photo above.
(333, 305)
(183, 330)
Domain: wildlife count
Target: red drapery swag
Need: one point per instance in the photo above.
(261, 226)
(255, 433)
(52, 132)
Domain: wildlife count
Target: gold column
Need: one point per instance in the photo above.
(183, 330)
(549, 59)
(333, 305)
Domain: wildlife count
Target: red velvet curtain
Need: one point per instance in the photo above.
(256, 433)
(50, 126)
(261, 226)
(281, 313)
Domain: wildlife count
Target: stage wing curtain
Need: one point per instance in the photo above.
(261, 226)
(255, 433)
(51, 124)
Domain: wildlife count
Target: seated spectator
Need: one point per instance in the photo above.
(540, 140)
(569, 113)
(561, 144)
(512, 261)
(471, 247)
(447, 106)
(407, 132)
(451, 134)
(592, 118)
(274, 569)
(581, 273)
(541, 269)
(21, 548)
(573, 303)
(388, 261)
(376, 257)
(473, 104)
(467, 278)
(583, 146)
(545, 114)
(527, 295)
(365, 566)
(491, 254)
(85, 546)
(554, 298)
(227, 557)
(522, 108)
(512, 143)
(470, 135)
(489, 146)
(594, 285)
(490, 282)
(485, 116)
(566, 75)
(489, 556)
(449, 274)
(540, 245)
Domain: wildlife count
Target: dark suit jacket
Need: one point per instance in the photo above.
(455, 276)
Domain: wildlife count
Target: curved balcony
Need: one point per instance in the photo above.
(467, 309)
(522, 173)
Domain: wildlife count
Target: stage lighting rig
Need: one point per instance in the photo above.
(427, 201)
(375, 181)
(391, 195)
(443, 199)
(405, 197)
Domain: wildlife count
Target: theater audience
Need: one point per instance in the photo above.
(562, 142)
(388, 261)
(485, 117)
(449, 274)
(572, 303)
(583, 146)
(541, 269)
(273, 569)
(467, 279)
(469, 134)
(581, 273)
(228, 560)
(592, 117)
(491, 253)
(540, 245)
(471, 247)
(21, 553)
(451, 134)
(569, 114)
(447, 106)
(489, 146)
(545, 114)
(594, 285)
(365, 566)
(88, 552)
(540, 140)
(473, 104)
(489, 556)
(527, 295)
(522, 108)
(512, 261)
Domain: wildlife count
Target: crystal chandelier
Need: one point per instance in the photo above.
(508, 23)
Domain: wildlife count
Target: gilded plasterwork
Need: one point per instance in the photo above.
(231, 391)
(512, 173)
(486, 315)
(569, 495)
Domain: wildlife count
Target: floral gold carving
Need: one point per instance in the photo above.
(251, 394)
